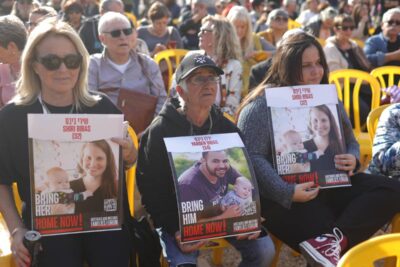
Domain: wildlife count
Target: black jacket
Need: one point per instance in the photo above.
(153, 172)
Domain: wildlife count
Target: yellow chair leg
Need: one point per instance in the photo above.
(217, 256)
(391, 262)
(278, 245)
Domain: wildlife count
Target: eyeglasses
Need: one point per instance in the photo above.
(53, 62)
(204, 30)
(202, 80)
(117, 33)
(393, 22)
(345, 28)
(280, 19)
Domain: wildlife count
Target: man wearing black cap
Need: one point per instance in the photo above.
(192, 113)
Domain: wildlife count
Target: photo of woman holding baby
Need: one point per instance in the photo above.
(326, 139)
(98, 173)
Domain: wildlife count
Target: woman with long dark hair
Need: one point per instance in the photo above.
(328, 222)
(98, 176)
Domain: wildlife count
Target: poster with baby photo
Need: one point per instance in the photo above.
(307, 134)
(76, 174)
(216, 188)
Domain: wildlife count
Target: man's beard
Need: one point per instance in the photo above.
(214, 173)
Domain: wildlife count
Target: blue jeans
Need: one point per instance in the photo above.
(255, 253)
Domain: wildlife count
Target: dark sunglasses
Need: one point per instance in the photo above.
(53, 62)
(393, 22)
(279, 18)
(117, 33)
(345, 28)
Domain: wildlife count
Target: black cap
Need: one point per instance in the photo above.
(193, 62)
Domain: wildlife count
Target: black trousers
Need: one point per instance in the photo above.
(358, 211)
(100, 249)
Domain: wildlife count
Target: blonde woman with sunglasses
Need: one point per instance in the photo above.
(120, 66)
(53, 80)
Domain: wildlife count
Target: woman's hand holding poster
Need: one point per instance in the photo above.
(307, 134)
(216, 188)
(76, 172)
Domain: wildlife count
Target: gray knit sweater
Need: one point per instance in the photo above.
(253, 122)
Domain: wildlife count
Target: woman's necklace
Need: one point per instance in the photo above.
(46, 109)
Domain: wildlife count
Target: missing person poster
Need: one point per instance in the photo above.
(75, 172)
(307, 134)
(216, 188)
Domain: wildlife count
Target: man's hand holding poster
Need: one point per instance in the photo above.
(76, 172)
(307, 134)
(216, 188)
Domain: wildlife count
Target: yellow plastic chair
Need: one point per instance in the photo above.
(359, 42)
(372, 120)
(131, 174)
(321, 41)
(386, 71)
(368, 252)
(342, 80)
(292, 24)
(171, 57)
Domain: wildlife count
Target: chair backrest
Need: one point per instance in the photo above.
(131, 174)
(366, 253)
(292, 24)
(388, 72)
(359, 42)
(342, 79)
(372, 120)
(172, 57)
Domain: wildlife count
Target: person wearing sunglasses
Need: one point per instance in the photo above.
(120, 66)
(191, 113)
(277, 23)
(54, 80)
(343, 53)
(12, 42)
(383, 49)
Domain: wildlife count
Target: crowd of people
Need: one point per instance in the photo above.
(76, 56)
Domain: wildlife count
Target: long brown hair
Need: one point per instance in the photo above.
(286, 67)
(335, 143)
(108, 182)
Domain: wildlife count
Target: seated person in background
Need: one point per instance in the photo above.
(322, 26)
(158, 35)
(258, 12)
(360, 14)
(120, 66)
(253, 47)
(309, 12)
(383, 49)
(191, 23)
(386, 149)
(39, 14)
(277, 25)
(219, 41)
(343, 53)
(290, 6)
(88, 31)
(241, 195)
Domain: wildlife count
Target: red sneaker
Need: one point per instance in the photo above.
(324, 250)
